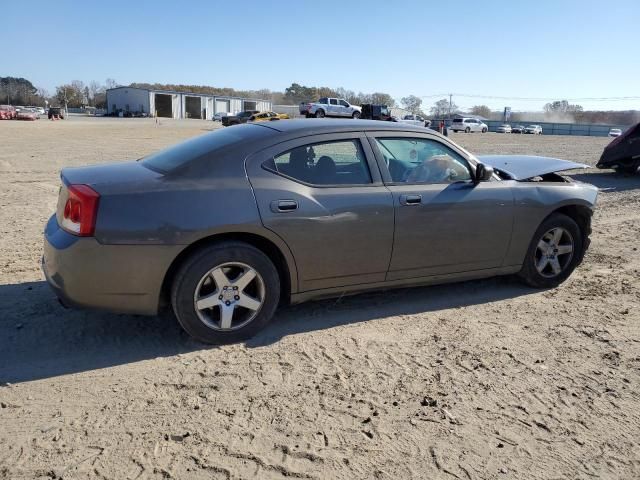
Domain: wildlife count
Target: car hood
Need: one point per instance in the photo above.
(522, 167)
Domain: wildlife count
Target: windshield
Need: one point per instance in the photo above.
(183, 153)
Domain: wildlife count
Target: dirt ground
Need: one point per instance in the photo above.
(480, 380)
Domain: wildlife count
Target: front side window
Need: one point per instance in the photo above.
(330, 163)
(343, 103)
(418, 160)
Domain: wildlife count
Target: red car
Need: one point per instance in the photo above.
(8, 112)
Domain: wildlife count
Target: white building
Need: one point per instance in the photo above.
(171, 104)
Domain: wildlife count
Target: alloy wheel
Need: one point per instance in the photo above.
(229, 296)
(554, 252)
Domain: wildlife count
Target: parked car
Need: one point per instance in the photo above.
(504, 129)
(615, 132)
(38, 110)
(534, 129)
(468, 125)
(8, 112)
(268, 116)
(228, 225)
(27, 114)
(237, 119)
(518, 129)
(417, 120)
(623, 152)
(330, 107)
(218, 116)
(372, 111)
(56, 112)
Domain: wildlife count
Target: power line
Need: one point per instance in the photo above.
(534, 99)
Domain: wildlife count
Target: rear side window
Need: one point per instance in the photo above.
(183, 153)
(329, 163)
(457, 120)
(333, 101)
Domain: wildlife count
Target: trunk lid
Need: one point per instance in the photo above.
(112, 173)
(523, 167)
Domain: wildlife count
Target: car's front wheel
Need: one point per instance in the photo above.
(554, 252)
(225, 293)
(467, 130)
(355, 115)
(319, 113)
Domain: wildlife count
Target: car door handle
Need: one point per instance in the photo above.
(279, 206)
(410, 199)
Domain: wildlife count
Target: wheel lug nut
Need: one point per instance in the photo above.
(227, 303)
(235, 288)
(237, 297)
(224, 288)
(220, 297)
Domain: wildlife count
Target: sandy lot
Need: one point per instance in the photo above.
(478, 380)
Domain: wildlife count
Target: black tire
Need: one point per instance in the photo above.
(196, 266)
(355, 115)
(529, 273)
(320, 113)
(467, 130)
(484, 130)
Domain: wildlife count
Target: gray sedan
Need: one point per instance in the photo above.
(226, 226)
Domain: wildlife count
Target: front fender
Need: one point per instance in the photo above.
(534, 202)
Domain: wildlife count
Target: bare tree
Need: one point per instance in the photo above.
(481, 110)
(442, 108)
(110, 83)
(412, 103)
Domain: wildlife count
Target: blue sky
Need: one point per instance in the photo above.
(533, 49)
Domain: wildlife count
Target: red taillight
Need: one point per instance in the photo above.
(80, 210)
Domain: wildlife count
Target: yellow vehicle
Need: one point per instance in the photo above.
(268, 116)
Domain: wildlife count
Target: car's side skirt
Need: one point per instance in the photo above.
(403, 283)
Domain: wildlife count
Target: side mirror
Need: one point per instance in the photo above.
(483, 173)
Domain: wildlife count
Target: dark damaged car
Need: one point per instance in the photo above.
(226, 226)
(623, 153)
(239, 118)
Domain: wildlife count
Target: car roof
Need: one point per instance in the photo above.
(314, 126)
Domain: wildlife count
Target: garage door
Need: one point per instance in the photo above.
(222, 106)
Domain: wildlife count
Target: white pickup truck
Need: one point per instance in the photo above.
(329, 107)
(417, 120)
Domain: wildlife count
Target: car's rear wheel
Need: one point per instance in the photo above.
(319, 113)
(555, 250)
(225, 293)
(355, 115)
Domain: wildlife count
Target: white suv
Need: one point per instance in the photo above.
(468, 125)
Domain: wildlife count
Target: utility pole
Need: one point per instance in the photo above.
(450, 95)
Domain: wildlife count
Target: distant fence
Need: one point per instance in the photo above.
(87, 111)
(549, 128)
